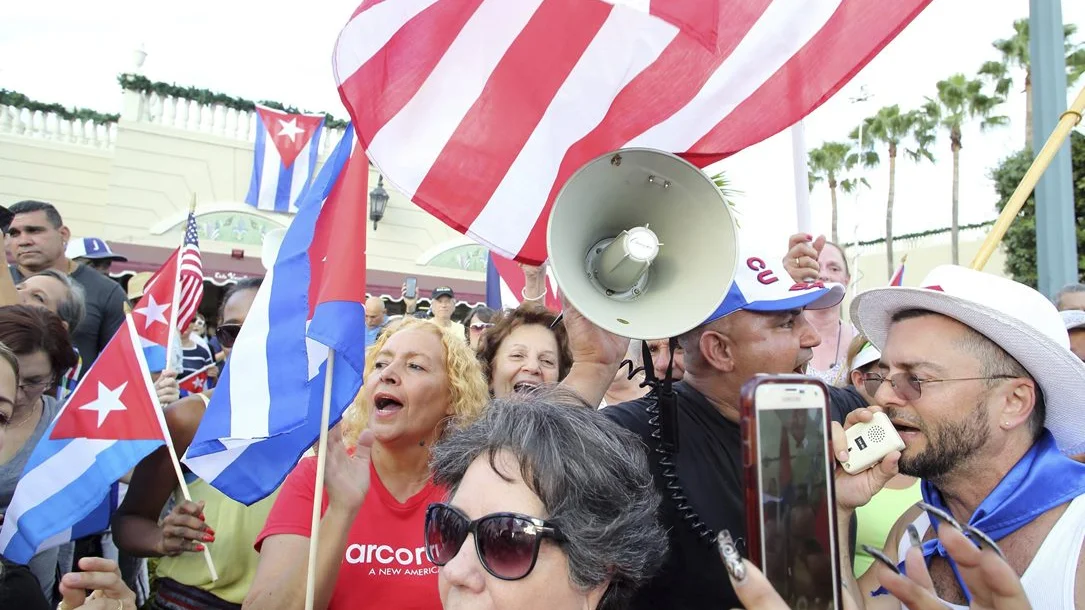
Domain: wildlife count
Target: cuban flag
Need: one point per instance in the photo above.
(198, 381)
(68, 488)
(283, 159)
(505, 285)
(155, 316)
(265, 412)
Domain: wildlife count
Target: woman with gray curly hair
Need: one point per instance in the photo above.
(558, 503)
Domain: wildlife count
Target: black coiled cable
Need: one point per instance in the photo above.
(663, 418)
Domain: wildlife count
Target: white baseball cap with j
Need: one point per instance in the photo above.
(1017, 318)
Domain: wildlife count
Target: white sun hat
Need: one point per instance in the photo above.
(1073, 318)
(1017, 318)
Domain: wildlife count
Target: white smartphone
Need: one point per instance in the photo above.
(790, 498)
(869, 442)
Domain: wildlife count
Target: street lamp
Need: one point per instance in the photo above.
(378, 201)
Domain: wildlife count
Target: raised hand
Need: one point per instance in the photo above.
(801, 261)
(590, 344)
(346, 475)
(167, 388)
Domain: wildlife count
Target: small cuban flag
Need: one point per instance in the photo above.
(284, 158)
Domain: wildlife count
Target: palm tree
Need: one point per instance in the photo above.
(829, 162)
(1015, 54)
(891, 127)
(728, 192)
(960, 99)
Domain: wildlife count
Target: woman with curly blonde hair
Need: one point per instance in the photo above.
(419, 382)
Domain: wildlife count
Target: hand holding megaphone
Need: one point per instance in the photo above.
(590, 344)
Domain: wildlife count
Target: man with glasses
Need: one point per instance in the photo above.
(977, 376)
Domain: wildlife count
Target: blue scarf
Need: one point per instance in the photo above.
(1041, 480)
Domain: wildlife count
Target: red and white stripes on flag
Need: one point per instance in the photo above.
(480, 110)
(190, 275)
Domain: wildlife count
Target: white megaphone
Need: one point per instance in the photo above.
(642, 243)
(269, 249)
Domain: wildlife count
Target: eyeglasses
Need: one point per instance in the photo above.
(227, 334)
(908, 387)
(35, 385)
(507, 543)
(481, 326)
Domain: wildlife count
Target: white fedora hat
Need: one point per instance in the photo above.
(1017, 318)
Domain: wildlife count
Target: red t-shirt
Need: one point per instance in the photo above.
(385, 564)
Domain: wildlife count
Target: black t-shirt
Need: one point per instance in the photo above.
(709, 466)
(19, 589)
(105, 311)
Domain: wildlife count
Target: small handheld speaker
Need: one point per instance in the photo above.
(869, 442)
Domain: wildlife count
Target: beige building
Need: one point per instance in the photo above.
(130, 180)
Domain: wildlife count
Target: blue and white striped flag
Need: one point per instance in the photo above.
(265, 412)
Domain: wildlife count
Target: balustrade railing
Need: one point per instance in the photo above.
(49, 126)
(149, 108)
(210, 119)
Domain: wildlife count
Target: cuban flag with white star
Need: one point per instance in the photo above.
(266, 409)
(69, 486)
(283, 159)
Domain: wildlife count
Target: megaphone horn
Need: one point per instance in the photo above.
(642, 243)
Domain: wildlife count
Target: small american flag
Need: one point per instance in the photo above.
(190, 275)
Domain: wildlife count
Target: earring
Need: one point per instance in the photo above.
(1006, 425)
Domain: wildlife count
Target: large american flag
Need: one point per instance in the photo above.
(480, 110)
(190, 275)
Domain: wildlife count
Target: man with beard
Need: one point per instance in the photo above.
(760, 328)
(977, 375)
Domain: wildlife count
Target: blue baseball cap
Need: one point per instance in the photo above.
(762, 284)
(91, 248)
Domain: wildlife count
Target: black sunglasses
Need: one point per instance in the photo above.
(908, 386)
(227, 334)
(507, 543)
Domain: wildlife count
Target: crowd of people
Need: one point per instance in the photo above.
(514, 459)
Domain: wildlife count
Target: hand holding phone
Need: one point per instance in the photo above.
(790, 498)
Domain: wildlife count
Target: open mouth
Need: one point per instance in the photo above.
(903, 428)
(524, 386)
(386, 404)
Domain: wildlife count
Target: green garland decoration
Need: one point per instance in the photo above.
(19, 100)
(141, 84)
(940, 231)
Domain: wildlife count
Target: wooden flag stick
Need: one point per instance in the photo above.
(1069, 119)
(318, 490)
(168, 437)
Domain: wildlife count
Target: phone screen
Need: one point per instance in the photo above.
(798, 539)
(412, 287)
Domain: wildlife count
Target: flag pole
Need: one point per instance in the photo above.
(1043, 159)
(318, 490)
(169, 437)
